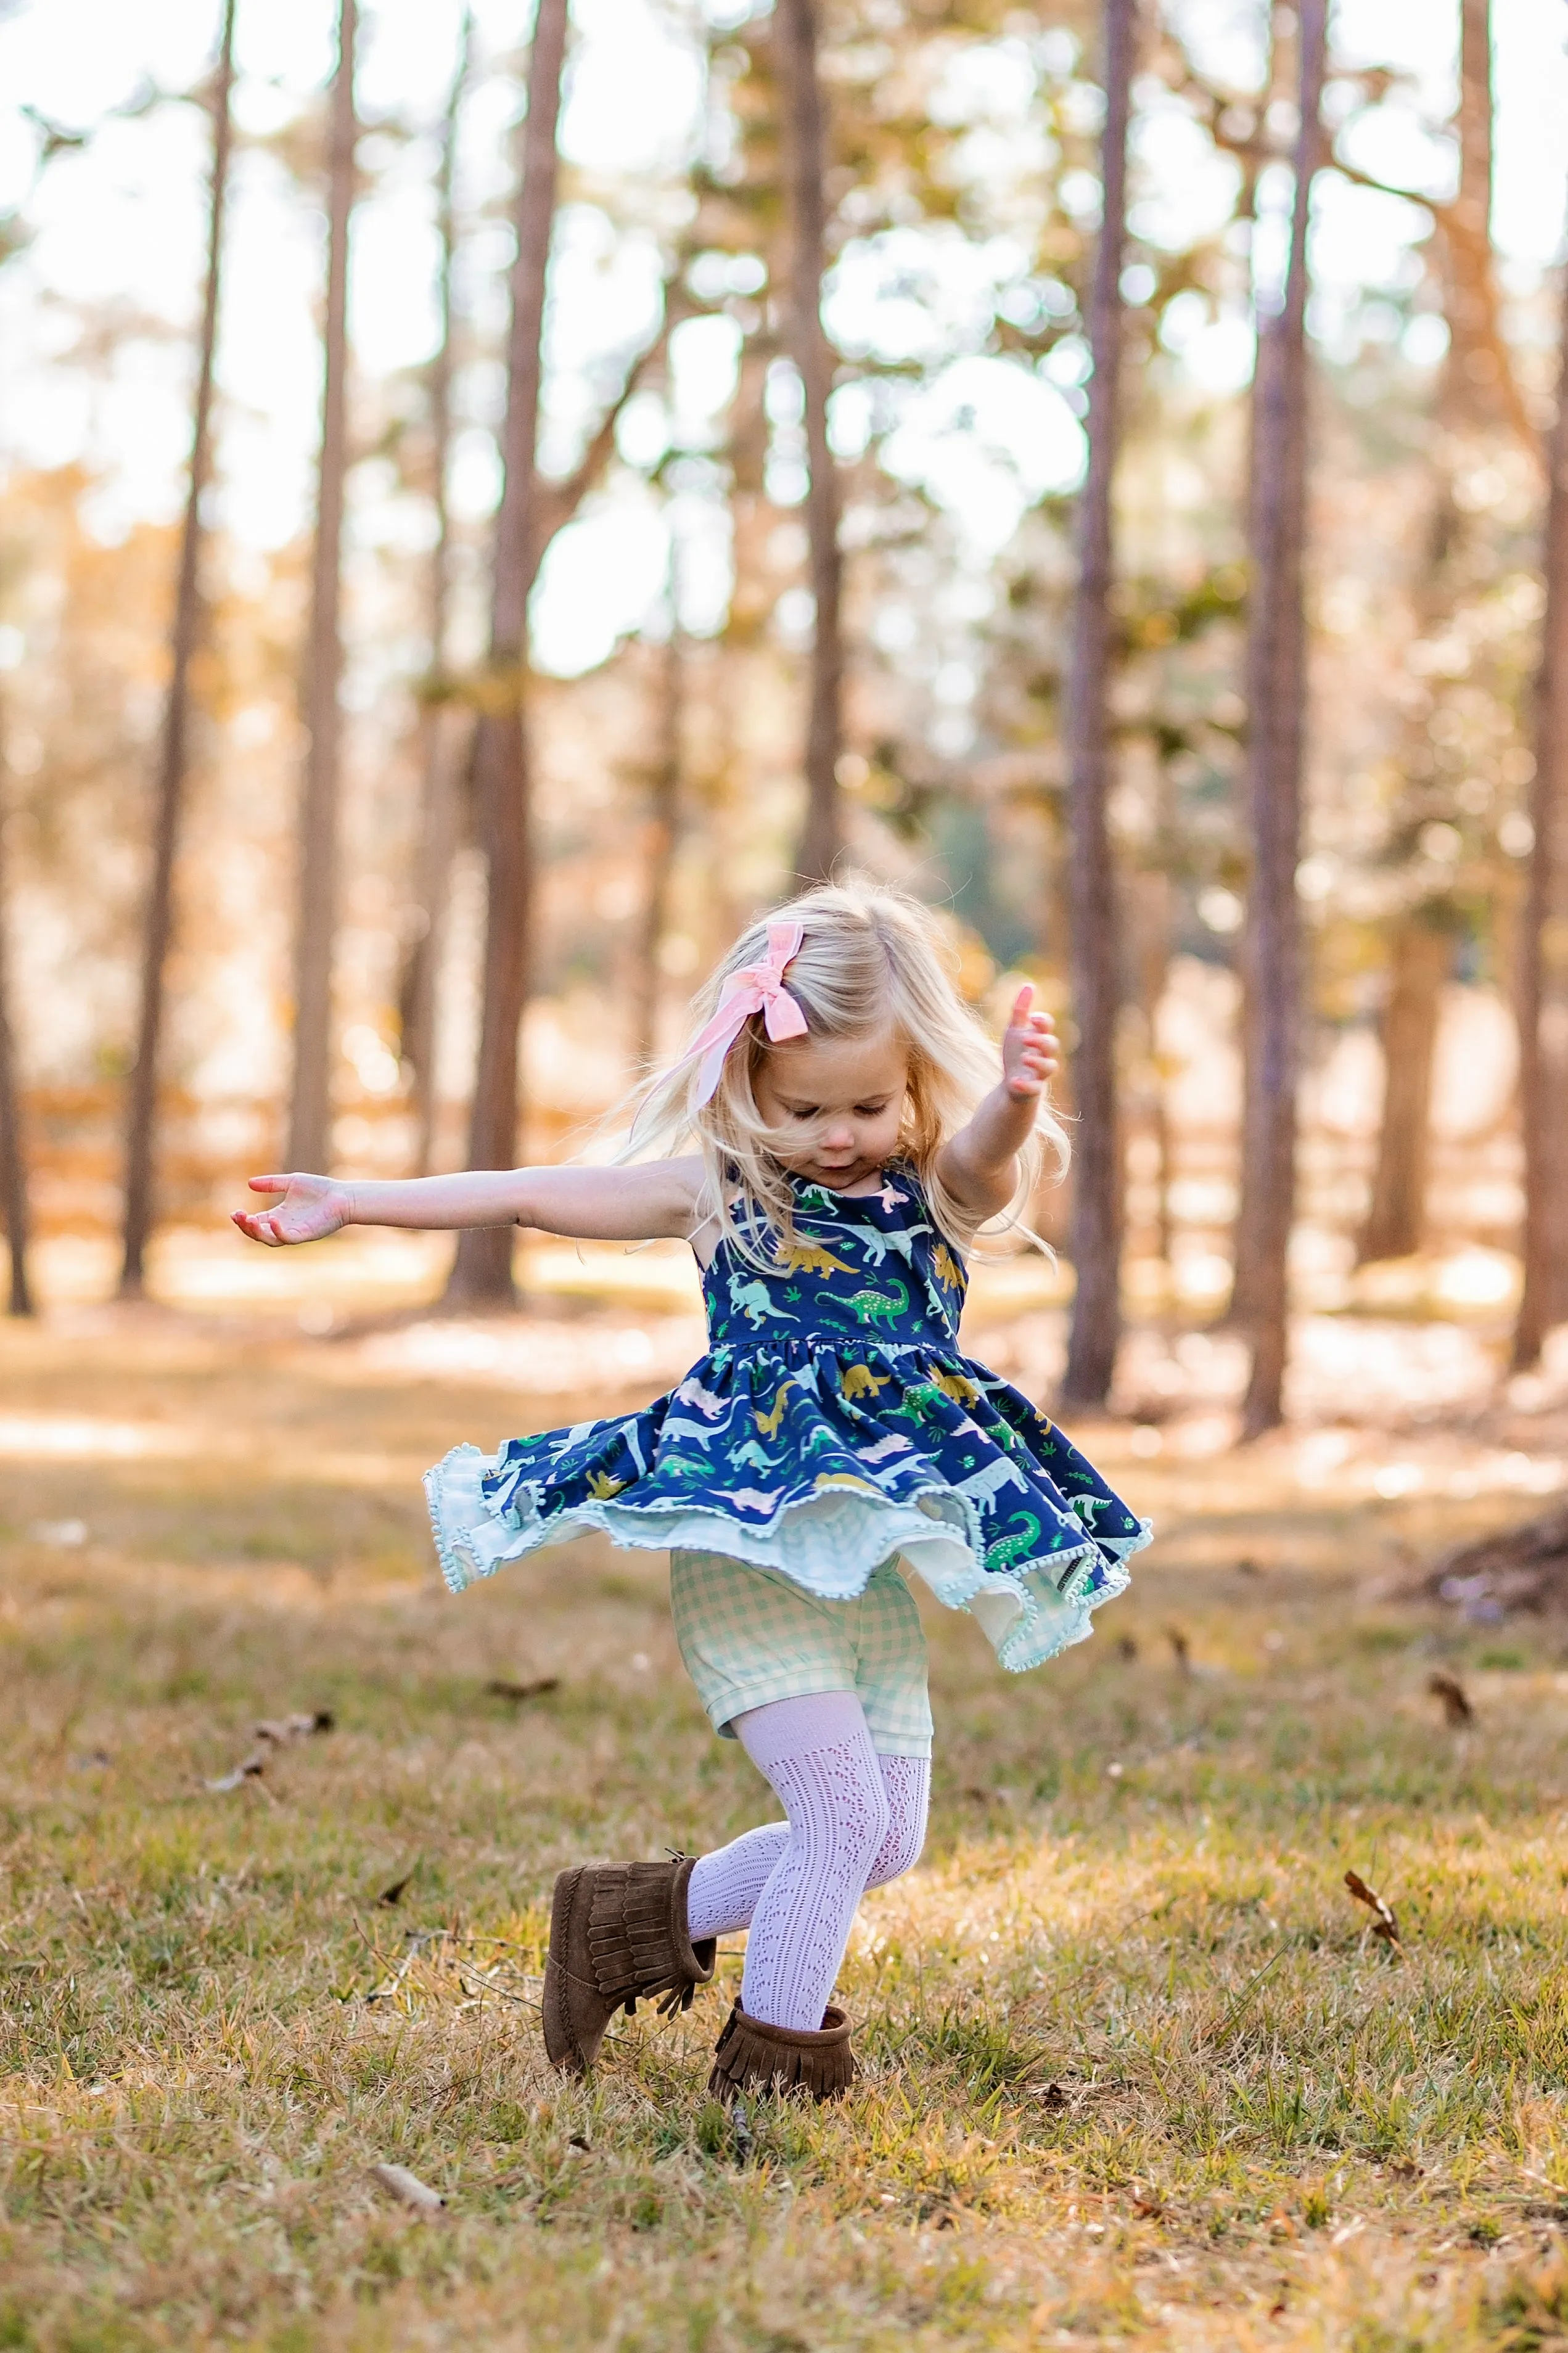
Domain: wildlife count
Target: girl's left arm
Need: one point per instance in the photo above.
(979, 1166)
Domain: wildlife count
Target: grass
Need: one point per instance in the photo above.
(1136, 2072)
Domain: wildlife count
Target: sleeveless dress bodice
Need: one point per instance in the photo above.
(832, 1425)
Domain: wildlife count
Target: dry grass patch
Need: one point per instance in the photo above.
(1137, 2070)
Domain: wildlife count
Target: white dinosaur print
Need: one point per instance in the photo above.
(753, 1300)
(877, 1243)
(986, 1483)
(691, 1392)
(675, 1426)
(754, 1499)
(891, 1444)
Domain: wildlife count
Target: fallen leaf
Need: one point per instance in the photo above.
(499, 1688)
(408, 2187)
(250, 1770)
(399, 1887)
(282, 1730)
(1454, 1697)
(1052, 2097)
(578, 2141)
(1384, 1924)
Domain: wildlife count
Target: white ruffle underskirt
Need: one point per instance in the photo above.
(829, 1543)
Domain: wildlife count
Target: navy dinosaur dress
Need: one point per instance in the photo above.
(832, 1424)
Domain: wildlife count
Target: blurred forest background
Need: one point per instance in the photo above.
(489, 503)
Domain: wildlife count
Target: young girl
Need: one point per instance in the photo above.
(850, 1137)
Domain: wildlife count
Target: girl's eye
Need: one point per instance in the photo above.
(869, 1111)
(803, 1111)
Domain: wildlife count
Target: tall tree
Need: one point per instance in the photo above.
(805, 143)
(1543, 964)
(663, 817)
(441, 720)
(309, 1117)
(158, 922)
(1276, 697)
(481, 1269)
(14, 1205)
(1477, 398)
(1095, 1240)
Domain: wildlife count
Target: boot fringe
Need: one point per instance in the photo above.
(754, 2055)
(638, 1940)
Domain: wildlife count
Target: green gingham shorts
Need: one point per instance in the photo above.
(749, 1636)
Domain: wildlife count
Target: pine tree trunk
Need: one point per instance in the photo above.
(822, 837)
(309, 1118)
(441, 728)
(659, 858)
(1476, 399)
(1095, 1236)
(13, 1204)
(481, 1270)
(1276, 694)
(140, 1130)
(1544, 960)
(1396, 1218)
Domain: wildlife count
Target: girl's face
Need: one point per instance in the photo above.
(835, 1104)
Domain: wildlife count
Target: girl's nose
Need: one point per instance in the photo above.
(838, 1136)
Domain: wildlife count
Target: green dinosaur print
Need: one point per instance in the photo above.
(870, 1306)
(922, 1401)
(1008, 1551)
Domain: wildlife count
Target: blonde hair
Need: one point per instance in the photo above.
(869, 957)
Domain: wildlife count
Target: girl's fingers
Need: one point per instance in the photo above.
(1021, 1004)
(268, 1184)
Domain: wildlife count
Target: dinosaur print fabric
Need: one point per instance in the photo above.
(832, 1425)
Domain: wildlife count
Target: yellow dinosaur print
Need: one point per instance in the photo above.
(956, 1385)
(810, 1258)
(768, 1424)
(846, 1479)
(601, 1486)
(859, 1380)
(946, 1267)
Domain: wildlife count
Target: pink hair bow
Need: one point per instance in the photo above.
(756, 988)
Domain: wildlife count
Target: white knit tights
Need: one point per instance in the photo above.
(855, 1819)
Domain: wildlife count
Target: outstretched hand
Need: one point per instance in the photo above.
(309, 1208)
(1031, 1053)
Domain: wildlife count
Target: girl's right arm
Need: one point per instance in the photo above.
(646, 1202)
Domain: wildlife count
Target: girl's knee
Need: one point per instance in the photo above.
(899, 1852)
(906, 1783)
(857, 1826)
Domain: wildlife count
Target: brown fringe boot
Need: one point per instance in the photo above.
(753, 2055)
(618, 1934)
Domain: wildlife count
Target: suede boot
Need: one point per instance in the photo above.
(754, 2056)
(618, 1932)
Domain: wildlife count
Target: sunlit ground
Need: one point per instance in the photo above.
(1136, 2070)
